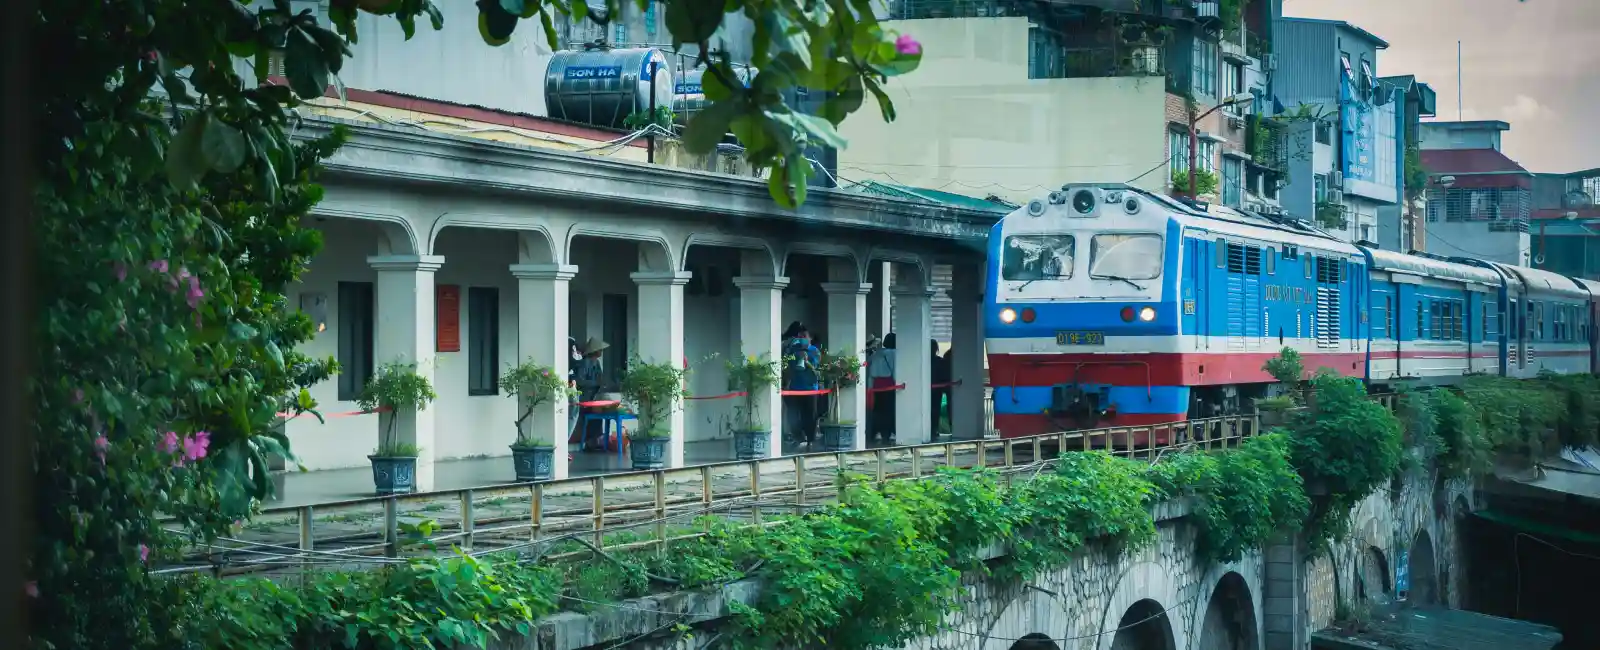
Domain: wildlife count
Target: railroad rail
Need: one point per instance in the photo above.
(640, 509)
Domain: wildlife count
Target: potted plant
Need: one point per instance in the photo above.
(1289, 371)
(395, 387)
(751, 375)
(533, 385)
(655, 391)
(839, 371)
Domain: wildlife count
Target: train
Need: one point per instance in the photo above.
(1107, 305)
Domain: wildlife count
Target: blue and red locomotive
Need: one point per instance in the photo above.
(1111, 306)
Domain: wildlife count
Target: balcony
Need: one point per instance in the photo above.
(1264, 141)
(1077, 63)
(1207, 10)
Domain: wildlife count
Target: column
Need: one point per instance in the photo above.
(661, 336)
(543, 322)
(913, 328)
(1284, 595)
(967, 353)
(404, 332)
(847, 333)
(760, 323)
(880, 275)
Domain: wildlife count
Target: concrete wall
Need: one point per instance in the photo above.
(1474, 239)
(972, 122)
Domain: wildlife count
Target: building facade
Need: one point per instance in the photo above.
(1478, 200)
(1016, 99)
(1565, 227)
(1403, 226)
(1345, 147)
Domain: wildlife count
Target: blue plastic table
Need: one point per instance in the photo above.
(607, 418)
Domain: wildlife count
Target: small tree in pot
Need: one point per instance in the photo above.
(655, 391)
(393, 389)
(838, 372)
(534, 385)
(1288, 370)
(752, 376)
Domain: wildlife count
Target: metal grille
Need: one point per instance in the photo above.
(1327, 320)
(1503, 209)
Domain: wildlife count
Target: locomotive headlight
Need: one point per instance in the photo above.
(1147, 314)
(1008, 315)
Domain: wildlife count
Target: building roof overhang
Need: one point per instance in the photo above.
(383, 153)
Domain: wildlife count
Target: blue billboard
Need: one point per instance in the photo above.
(1368, 139)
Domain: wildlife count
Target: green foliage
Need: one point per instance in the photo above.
(1245, 495)
(536, 385)
(838, 371)
(1520, 418)
(1331, 215)
(662, 117)
(1344, 447)
(1286, 367)
(1089, 496)
(396, 386)
(463, 601)
(1416, 177)
(1205, 181)
(838, 48)
(1279, 403)
(655, 390)
(751, 375)
(1578, 419)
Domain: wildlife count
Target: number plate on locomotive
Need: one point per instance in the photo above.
(1064, 337)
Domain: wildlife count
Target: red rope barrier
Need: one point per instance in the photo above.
(722, 396)
(326, 416)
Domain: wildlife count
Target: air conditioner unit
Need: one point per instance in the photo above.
(1145, 60)
(1236, 121)
(1270, 63)
(1336, 179)
(1335, 196)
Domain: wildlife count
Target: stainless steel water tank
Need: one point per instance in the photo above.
(687, 96)
(604, 87)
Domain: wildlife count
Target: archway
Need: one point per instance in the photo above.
(1372, 576)
(1035, 641)
(1145, 626)
(1230, 619)
(1424, 576)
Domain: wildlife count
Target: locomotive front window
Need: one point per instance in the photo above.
(1125, 256)
(1037, 257)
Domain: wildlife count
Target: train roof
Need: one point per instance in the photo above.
(1590, 285)
(1224, 220)
(1545, 281)
(1396, 262)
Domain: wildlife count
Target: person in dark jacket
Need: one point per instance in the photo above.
(800, 359)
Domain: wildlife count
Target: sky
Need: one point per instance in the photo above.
(1532, 63)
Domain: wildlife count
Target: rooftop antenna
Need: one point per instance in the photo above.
(1458, 81)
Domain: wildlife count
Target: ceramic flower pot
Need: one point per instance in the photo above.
(752, 445)
(648, 453)
(533, 463)
(838, 437)
(394, 475)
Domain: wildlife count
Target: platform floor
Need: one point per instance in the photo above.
(324, 486)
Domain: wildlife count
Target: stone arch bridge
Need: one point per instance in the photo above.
(1161, 597)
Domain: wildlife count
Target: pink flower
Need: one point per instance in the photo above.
(101, 444)
(121, 271)
(195, 292)
(31, 588)
(907, 46)
(77, 395)
(194, 447)
(159, 266)
(169, 442)
(144, 553)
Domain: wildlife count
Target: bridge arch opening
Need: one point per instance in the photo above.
(1372, 580)
(1145, 626)
(1035, 641)
(1423, 570)
(1230, 622)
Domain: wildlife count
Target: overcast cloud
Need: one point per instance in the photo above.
(1532, 63)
